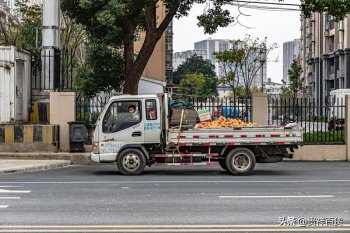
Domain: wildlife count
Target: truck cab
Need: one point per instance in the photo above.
(119, 128)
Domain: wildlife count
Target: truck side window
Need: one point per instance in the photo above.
(151, 110)
(121, 115)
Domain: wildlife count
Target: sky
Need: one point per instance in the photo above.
(277, 26)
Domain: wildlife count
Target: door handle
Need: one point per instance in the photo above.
(136, 134)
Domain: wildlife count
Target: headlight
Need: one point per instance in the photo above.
(95, 149)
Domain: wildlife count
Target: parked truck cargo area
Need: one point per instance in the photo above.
(136, 131)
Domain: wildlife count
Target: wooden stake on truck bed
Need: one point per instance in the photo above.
(180, 131)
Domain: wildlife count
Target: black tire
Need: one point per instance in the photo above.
(222, 164)
(131, 162)
(240, 161)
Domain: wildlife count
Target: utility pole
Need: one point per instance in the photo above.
(50, 44)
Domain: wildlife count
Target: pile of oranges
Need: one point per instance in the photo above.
(223, 122)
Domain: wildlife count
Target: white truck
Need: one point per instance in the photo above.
(336, 112)
(134, 142)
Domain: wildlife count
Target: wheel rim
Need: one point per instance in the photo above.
(131, 162)
(241, 162)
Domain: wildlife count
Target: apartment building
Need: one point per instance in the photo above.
(181, 57)
(291, 52)
(325, 55)
(211, 46)
(273, 89)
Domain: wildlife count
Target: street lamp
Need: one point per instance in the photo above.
(262, 55)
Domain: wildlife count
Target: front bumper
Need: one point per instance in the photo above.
(95, 157)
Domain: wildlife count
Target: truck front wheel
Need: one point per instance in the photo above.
(240, 161)
(131, 162)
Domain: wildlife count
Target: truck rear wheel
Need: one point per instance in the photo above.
(131, 162)
(240, 161)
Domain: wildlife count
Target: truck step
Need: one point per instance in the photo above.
(188, 164)
(185, 155)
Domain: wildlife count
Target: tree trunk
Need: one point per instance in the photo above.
(135, 68)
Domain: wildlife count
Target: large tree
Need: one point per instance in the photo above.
(117, 23)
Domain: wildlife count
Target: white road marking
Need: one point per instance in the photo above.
(298, 196)
(14, 191)
(178, 181)
(168, 228)
(9, 198)
(3, 206)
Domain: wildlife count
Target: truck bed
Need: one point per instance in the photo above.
(260, 135)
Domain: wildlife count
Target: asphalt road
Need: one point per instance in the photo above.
(275, 194)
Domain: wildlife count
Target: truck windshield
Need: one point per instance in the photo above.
(120, 112)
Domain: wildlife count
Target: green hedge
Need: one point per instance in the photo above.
(326, 137)
(83, 116)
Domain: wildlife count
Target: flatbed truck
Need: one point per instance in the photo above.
(133, 143)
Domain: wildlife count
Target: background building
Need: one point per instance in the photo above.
(181, 57)
(325, 54)
(273, 89)
(169, 54)
(291, 51)
(211, 46)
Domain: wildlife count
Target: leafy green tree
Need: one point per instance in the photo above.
(24, 29)
(243, 62)
(197, 85)
(101, 71)
(295, 81)
(21, 31)
(118, 22)
(194, 64)
(230, 61)
(337, 8)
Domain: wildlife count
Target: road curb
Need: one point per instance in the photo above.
(74, 158)
(23, 167)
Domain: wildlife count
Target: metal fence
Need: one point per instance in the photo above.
(52, 69)
(239, 107)
(323, 121)
(88, 109)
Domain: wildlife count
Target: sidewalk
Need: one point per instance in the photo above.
(12, 162)
(17, 166)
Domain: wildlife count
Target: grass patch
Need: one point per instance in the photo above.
(327, 137)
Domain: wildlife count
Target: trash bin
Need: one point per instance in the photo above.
(78, 135)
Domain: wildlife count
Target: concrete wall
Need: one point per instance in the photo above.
(28, 138)
(321, 152)
(260, 109)
(62, 111)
